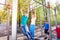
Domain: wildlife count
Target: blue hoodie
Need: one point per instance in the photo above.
(46, 25)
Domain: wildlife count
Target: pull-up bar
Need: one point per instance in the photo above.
(8, 5)
(2, 4)
(8, 8)
(42, 4)
(48, 16)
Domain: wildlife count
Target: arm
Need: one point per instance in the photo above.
(44, 26)
(27, 12)
(54, 31)
(21, 11)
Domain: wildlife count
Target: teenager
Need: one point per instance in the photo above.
(32, 25)
(24, 21)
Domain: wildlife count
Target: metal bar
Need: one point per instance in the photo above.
(42, 4)
(55, 16)
(8, 24)
(44, 9)
(48, 16)
(14, 19)
(2, 4)
(55, 10)
(41, 24)
(0, 19)
(41, 20)
(35, 7)
(8, 21)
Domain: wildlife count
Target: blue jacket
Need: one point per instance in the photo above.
(24, 20)
(46, 25)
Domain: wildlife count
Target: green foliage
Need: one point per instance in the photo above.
(39, 12)
(4, 16)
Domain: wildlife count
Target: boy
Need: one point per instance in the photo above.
(46, 29)
(24, 21)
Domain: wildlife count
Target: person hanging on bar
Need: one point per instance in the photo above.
(32, 25)
(24, 21)
(46, 30)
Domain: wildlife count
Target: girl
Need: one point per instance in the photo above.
(32, 25)
(57, 31)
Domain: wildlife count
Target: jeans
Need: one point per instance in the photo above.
(32, 28)
(25, 31)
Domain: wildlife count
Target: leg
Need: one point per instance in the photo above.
(46, 34)
(27, 29)
(32, 28)
(27, 32)
(23, 30)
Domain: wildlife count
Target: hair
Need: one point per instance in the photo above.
(58, 23)
(33, 11)
(46, 20)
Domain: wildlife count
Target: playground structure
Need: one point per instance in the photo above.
(6, 28)
(14, 37)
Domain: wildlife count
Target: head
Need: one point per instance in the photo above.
(33, 13)
(46, 21)
(26, 13)
(59, 25)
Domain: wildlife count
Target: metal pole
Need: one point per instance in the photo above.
(0, 19)
(14, 19)
(48, 16)
(42, 4)
(55, 10)
(44, 9)
(8, 24)
(55, 15)
(41, 23)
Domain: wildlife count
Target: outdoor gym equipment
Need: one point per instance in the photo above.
(45, 15)
(8, 9)
(44, 9)
(14, 19)
(55, 11)
(48, 16)
(24, 27)
(42, 4)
